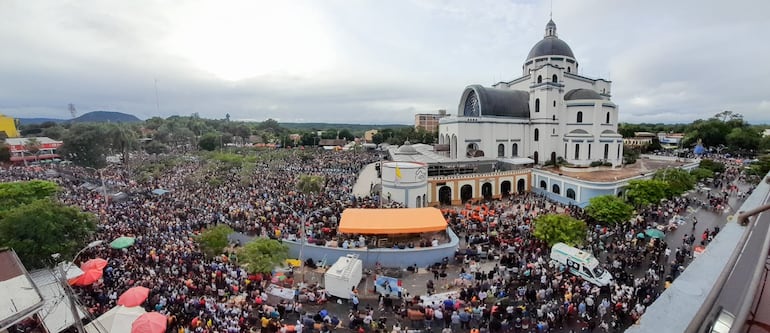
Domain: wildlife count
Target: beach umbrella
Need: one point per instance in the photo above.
(122, 242)
(89, 277)
(151, 322)
(654, 233)
(640, 235)
(97, 263)
(134, 296)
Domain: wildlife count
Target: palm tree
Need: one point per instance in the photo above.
(123, 138)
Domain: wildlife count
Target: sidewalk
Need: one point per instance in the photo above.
(366, 179)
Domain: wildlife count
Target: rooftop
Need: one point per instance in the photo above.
(642, 167)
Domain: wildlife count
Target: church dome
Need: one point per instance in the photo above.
(550, 45)
(406, 149)
(581, 94)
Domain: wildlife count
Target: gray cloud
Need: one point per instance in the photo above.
(669, 61)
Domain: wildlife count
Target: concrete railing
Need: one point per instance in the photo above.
(687, 304)
(387, 257)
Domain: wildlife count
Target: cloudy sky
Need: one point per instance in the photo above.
(371, 61)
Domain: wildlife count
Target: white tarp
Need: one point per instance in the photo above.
(117, 320)
(285, 293)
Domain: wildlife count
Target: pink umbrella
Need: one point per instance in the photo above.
(134, 296)
(97, 263)
(89, 277)
(151, 322)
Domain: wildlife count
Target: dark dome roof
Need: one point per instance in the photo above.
(550, 45)
(500, 102)
(581, 94)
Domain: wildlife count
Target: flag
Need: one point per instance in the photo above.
(398, 172)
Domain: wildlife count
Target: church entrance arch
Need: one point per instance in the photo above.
(445, 195)
(486, 191)
(505, 188)
(521, 186)
(466, 193)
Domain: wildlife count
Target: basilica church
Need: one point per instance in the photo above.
(547, 115)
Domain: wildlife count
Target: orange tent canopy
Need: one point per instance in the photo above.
(391, 221)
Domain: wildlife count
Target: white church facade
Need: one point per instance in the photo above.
(548, 114)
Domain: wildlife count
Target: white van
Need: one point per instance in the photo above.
(581, 264)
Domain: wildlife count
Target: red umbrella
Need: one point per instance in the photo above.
(134, 296)
(151, 322)
(97, 263)
(89, 277)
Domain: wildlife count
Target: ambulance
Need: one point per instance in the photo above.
(581, 264)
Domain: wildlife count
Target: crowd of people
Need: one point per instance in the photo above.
(520, 291)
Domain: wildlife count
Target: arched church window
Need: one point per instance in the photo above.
(608, 118)
(569, 69)
(537, 105)
(577, 151)
(515, 149)
(555, 79)
(553, 117)
(580, 116)
(537, 134)
(500, 150)
(554, 103)
(539, 79)
(606, 151)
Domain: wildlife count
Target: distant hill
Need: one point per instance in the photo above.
(91, 117)
(105, 117)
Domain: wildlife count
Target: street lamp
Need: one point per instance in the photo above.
(303, 220)
(67, 289)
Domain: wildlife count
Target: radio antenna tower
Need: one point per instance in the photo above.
(73, 111)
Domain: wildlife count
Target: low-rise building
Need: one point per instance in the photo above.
(428, 121)
(33, 149)
(640, 139)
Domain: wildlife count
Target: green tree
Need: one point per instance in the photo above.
(55, 132)
(5, 153)
(122, 139)
(262, 255)
(644, 192)
(155, 147)
(761, 167)
(743, 138)
(214, 240)
(15, 194)
(609, 209)
(554, 228)
(209, 141)
(702, 173)
(84, 145)
(712, 165)
(678, 180)
(764, 144)
(44, 227)
(310, 184)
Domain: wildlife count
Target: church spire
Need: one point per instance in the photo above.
(550, 29)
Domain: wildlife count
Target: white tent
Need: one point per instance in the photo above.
(117, 320)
